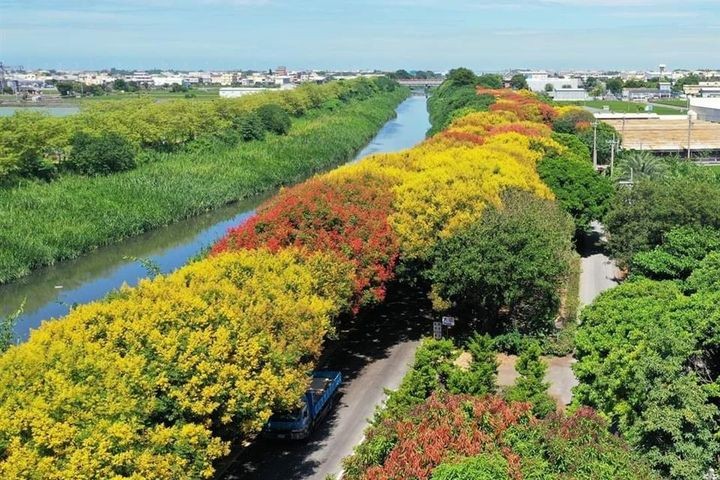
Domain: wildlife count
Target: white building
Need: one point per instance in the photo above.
(569, 95)
(223, 78)
(235, 92)
(704, 89)
(538, 82)
(167, 80)
(707, 109)
(92, 78)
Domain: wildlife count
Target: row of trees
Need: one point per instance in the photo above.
(648, 350)
(501, 270)
(33, 145)
(150, 382)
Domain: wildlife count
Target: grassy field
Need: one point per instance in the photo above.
(42, 223)
(674, 102)
(619, 106)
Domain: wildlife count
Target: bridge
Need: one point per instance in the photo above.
(421, 83)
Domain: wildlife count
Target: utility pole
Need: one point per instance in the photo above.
(689, 133)
(595, 162)
(613, 145)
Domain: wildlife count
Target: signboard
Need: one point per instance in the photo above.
(448, 321)
(437, 330)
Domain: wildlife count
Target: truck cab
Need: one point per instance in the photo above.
(316, 403)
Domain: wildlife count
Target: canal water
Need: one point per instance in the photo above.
(52, 111)
(52, 291)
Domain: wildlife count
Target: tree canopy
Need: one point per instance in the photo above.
(507, 268)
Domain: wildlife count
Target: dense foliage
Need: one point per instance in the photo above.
(39, 225)
(104, 154)
(458, 96)
(642, 216)
(507, 267)
(141, 385)
(152, 382)
(467, 437)
(346, 216)
(38, 146)
(648, 358)
(579, 189)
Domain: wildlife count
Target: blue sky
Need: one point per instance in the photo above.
(485, 35)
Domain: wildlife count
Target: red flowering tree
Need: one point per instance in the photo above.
(446, 427)
(346, 215)
(462, 432)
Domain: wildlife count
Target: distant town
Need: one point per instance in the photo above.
(573, 85)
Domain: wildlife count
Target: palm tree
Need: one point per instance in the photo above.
(640, 165)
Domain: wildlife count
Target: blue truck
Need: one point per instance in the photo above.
(316, 404)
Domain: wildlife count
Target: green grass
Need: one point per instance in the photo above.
(620, 106)
(675, 102)
(42, 223)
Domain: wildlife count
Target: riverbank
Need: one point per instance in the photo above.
(93, 275)
(41, 224)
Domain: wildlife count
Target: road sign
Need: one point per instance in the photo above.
(437, 330)
(448, 321)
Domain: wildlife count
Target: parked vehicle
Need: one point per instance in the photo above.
(316, 404)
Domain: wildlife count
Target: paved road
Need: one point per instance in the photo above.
(374, 352)
(599, 273)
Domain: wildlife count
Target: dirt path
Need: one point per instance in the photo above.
(559, 375)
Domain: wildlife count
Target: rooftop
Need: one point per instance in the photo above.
(666, 135)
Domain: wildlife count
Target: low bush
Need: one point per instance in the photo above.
(100, 155)
(274, 119)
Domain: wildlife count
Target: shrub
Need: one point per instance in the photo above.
(530, 385)
(251, 127)
(274, 118)
(100, 155)
(571, 119)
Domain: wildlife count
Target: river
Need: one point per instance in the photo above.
(63, 111)
(51, 291)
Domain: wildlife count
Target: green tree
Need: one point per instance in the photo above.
(681, 252)
(67, 88)
(100, 155)
(461, 77)
(519, 82)
(507, 269)
(274, 118)
(531, 386)
(581, 191)
(480, 377)
(640, 217)
(615, 85)
(639, 165)
(590, 83)
(706, 276)
(549, 87)
(448, 99)
(251, 127)
(490, 466)
(605, 136)
(689, 79)
(647, 359)
(490, 80)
